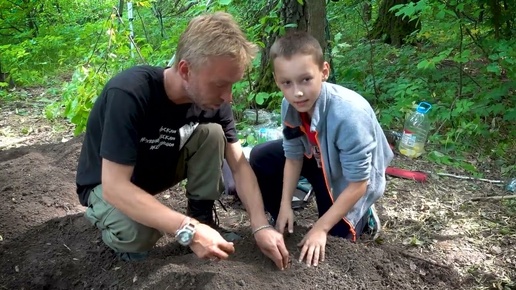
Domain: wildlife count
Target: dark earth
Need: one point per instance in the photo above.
(45, 243)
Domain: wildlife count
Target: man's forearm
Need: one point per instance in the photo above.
(249, 193)
(346, 200)
(142, 207)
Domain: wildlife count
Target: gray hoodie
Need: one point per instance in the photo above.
(352, 144)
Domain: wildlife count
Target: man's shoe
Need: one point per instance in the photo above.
(202, 210)
(374, 225)
(132, 257)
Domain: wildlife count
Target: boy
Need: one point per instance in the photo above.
(332, 138)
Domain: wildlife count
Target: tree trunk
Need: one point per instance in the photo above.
(496, 11)
(310, 17)
(390, 28)
(121, 5)
(508, 19)
(367, 10)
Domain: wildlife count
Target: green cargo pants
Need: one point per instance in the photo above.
(200, 163)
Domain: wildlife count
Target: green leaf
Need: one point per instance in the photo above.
(425, 64)
(494, 68)
(224, 2)
(440, 14)
(261, 97)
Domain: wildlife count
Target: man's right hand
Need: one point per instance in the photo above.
(285, 218)
(209, 244)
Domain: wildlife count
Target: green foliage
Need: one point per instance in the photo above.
(463, 61)
(458, 65)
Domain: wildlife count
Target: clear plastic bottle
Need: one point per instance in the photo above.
(268, 134)
(415, 132)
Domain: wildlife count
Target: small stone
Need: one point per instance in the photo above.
(166, 196)
(241, 283)
(231, 237)
(16, 268)
(497, 250)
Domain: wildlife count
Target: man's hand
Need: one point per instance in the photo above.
(285, 219)
(271, 244)
(314, 244)
(209, 244)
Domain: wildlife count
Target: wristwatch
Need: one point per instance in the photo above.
(185, 234)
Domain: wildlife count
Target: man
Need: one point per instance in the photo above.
(153, 127)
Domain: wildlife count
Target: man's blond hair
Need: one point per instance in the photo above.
(215, 34)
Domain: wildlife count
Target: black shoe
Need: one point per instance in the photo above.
(204, 211)
(201, 210)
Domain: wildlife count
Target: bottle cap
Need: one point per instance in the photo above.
(423, 107)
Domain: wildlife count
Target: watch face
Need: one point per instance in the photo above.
(185, 237)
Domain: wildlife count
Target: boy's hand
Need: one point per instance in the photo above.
(314, 244)
(285, 219)
(209, 244)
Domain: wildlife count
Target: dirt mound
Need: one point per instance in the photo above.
(47, 244)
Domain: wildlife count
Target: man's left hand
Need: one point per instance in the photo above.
(272, 244)
(313, 247)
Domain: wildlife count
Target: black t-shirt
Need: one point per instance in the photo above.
(134, 123)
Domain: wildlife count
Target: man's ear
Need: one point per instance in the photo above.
(183, 68)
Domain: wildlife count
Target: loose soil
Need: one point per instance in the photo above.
(47, 244)
(434, 236)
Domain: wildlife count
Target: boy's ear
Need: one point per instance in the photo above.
(326, 70)
(274, 76)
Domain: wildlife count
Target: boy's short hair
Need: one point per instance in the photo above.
(214, 34)
(294, 42)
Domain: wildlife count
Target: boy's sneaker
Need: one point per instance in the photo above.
(374, 225)
(303, 194)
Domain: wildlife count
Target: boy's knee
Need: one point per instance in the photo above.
(267, 156)
(256, 154)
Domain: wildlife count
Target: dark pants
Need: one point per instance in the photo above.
(268, 161)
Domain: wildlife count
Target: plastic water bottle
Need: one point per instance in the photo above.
(511, 185)
(415, 132)
(268, 134)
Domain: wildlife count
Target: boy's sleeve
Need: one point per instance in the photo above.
(356, 143)
(292, 142)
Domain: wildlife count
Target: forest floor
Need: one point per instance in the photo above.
(435, 236)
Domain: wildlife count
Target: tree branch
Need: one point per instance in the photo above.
(181, 10)
(495, 197)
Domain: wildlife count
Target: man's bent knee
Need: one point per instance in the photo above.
(131, 237)
(211, 132)
(119, 232)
